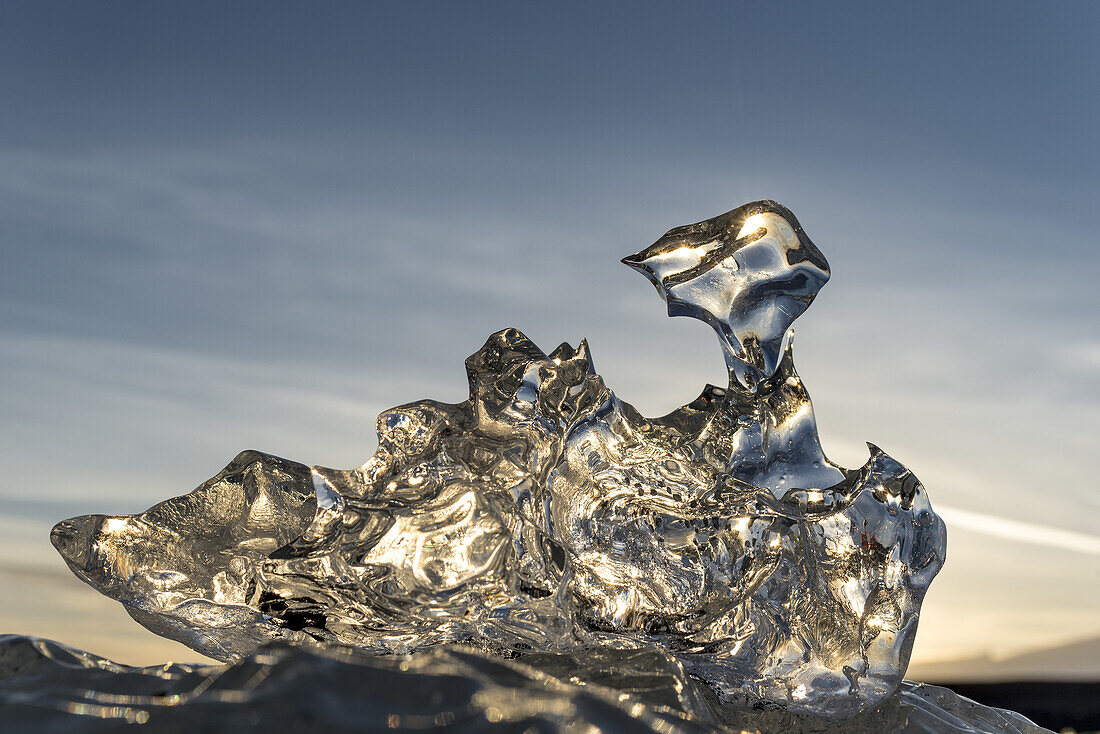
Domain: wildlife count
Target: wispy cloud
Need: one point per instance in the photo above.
(1023, 532)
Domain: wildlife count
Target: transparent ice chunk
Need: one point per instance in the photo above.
(545, 515)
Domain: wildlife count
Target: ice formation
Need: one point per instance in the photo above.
(342, 690)
(544, 519)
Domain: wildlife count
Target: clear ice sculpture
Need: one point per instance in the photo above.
(545, 516)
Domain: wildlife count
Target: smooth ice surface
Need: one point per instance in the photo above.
(546, 515)
(48, 688)
(748, 273)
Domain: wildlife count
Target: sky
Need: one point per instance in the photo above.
(231, 226)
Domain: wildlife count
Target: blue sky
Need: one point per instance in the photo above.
(256, 226)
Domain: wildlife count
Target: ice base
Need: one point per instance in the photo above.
(46, 687)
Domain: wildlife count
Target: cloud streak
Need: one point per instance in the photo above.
(1023, 532)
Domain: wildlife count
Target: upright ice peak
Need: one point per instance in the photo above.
(749, 273)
